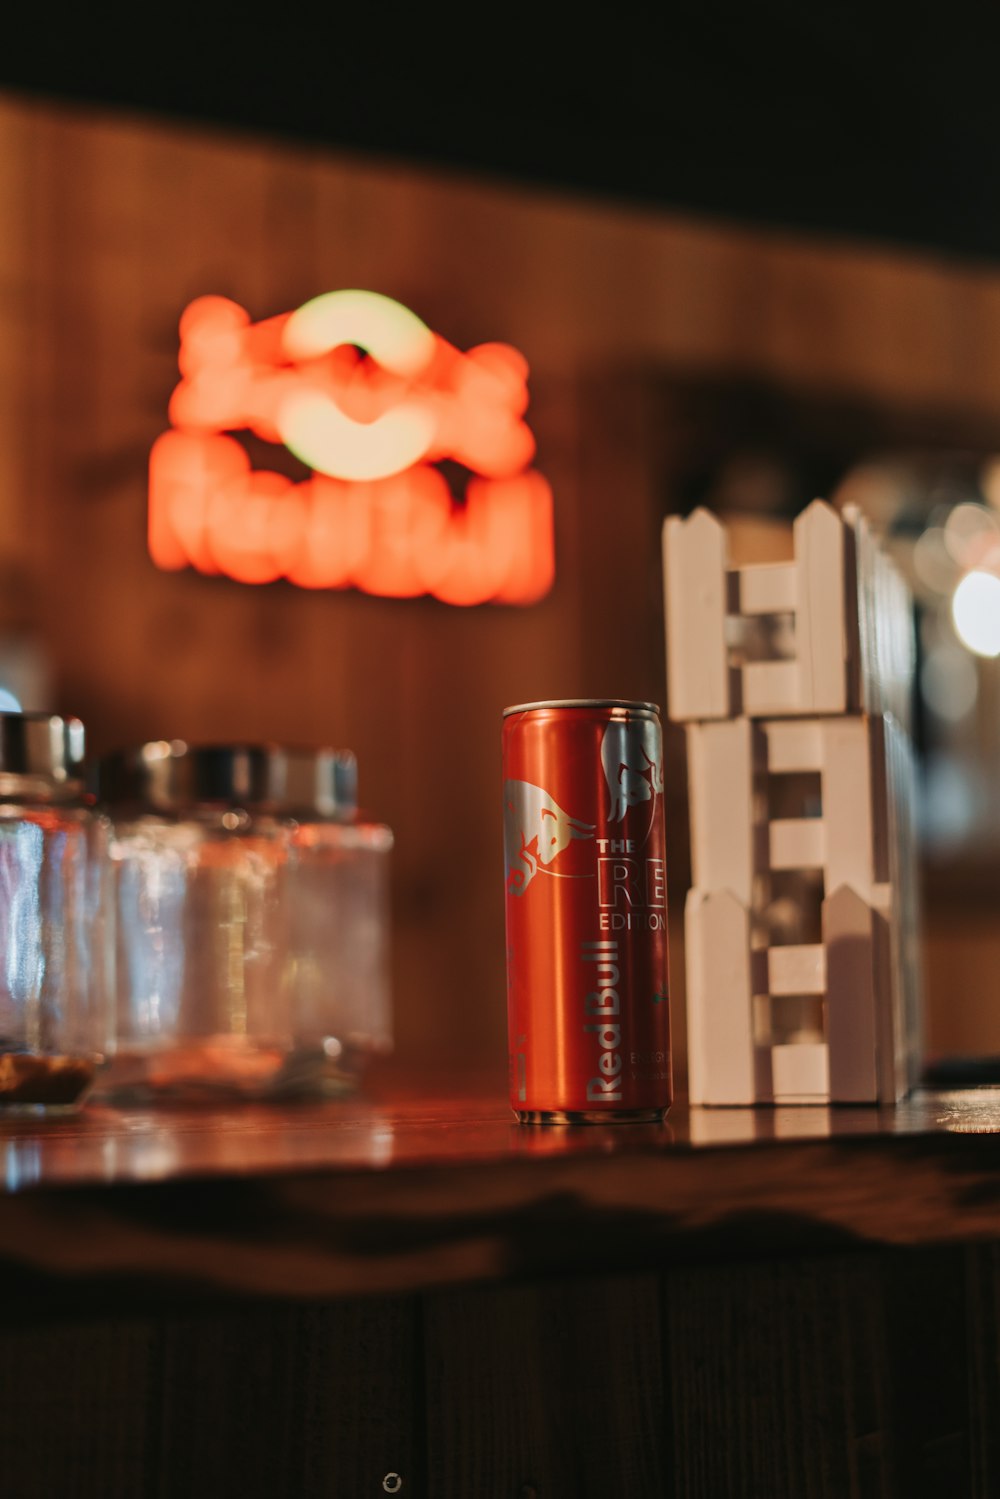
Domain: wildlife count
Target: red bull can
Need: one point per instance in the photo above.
(587, 1007)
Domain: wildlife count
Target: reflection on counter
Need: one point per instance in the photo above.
(171, 1142)
(969, 1111)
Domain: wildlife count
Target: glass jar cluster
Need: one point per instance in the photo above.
(185, 922)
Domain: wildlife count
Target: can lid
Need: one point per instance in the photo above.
(42, 744)
(172, 776)
(585, 702)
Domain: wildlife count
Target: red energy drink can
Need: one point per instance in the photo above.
(587, 1008)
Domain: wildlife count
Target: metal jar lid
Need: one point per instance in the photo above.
(319, 783)
(44, 746)
(173, 776)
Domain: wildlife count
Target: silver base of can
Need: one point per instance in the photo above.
(590, 1116)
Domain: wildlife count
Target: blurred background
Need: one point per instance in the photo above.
(748, 262)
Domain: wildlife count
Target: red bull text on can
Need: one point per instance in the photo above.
(587, 1007)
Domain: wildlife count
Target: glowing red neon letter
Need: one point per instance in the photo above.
(376, 514)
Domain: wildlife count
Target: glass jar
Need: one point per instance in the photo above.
(55, 1016)
(241, 934)
(338, 883)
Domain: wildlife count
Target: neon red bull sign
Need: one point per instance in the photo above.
(372, 403)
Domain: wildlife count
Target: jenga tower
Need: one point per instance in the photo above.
(794, 681)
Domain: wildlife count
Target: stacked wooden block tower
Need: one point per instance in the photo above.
(794, 681)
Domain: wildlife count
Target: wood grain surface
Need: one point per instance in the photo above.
(868, 1374)
(551, 1389)
(334, 1200)
(304, 1302)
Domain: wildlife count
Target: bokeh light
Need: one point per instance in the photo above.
(971, 533)
(949, 682)
(975, 610)
(989, 482)
(934, 566)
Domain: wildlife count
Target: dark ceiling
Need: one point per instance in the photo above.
(834, 118)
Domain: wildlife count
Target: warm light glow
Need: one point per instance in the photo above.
(360, 390)
(934, 565)
(313, 426)
(989, 482)
(388, 331)
(975, 610)
(400, 537)
(971, 534)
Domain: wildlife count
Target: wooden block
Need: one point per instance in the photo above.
(883, 831)
(771, 687)
(820, 622)
(721, 1064)
(797, 843)
(720, 787)
(800, 1073)
(847, 805)
(851, 1017)
(797, 970)
(791, 744)
(853, 621)
(893, 1016)
(854, 633)
(867, 612)
(767, 588)
(694, 580)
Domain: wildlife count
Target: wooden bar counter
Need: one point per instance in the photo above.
(419, 1296)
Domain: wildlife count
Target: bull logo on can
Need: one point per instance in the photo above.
(632, 766)
(535, 831)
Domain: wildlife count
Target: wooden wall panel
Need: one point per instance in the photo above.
(112, 225)
(828, 1377)
(257, 1399)
(546, 1391)
(863, 1374)
(302, 1401)
(16, 328)
(76, 1412)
